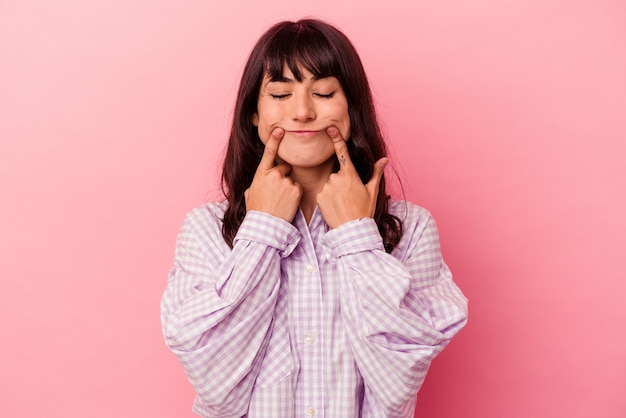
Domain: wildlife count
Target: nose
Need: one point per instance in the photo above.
(303, 108)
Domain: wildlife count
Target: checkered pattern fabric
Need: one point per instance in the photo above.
(299, 320)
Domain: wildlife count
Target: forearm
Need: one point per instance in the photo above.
(394, 328)
(217, 312)
(394, 336)
(194, 307)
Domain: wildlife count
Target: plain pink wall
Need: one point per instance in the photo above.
(506, 119)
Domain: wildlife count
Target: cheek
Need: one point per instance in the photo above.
(267, 120)
(339, 111)
(262, 129)
(345, 122)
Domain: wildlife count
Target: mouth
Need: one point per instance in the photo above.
(304, 133)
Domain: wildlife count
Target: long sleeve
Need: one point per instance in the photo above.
(400, 310)
(217, 311)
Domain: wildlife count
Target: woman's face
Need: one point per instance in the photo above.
(304, 110)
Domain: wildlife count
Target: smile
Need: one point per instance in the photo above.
(304, 133)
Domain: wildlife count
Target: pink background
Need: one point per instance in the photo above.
(506, 118)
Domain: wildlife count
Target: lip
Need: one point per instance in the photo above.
(302, 133)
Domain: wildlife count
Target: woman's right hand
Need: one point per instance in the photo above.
(272, 190)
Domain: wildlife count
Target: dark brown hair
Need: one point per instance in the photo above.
(324, 51)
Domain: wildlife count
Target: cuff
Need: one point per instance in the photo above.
(352, 237)
(269, 230)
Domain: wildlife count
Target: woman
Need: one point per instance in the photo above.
(307, 291)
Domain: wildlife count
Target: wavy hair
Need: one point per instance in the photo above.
(324, 51)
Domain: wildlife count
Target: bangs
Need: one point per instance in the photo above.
(298, 46)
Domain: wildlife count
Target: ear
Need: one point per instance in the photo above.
(255, 119)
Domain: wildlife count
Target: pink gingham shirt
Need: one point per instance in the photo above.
(302, 321)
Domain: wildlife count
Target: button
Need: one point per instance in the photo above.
(310, 411)
(309, 339)
(309, 269)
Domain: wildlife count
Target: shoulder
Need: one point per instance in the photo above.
(207, 213)
(204, 223)
(418, 227)
(409, 213)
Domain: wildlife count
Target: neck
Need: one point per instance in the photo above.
(312, 181)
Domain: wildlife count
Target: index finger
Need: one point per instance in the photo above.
(271, 149)
(341, 149)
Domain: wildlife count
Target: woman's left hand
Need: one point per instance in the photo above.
(345, 198)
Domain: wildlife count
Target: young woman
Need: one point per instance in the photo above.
(308, 291)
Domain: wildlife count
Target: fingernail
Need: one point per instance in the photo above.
(332, 131)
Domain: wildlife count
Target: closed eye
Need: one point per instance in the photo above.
(325, 96)
(280, 96)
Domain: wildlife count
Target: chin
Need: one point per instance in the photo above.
(313, 161)
(305, 155)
